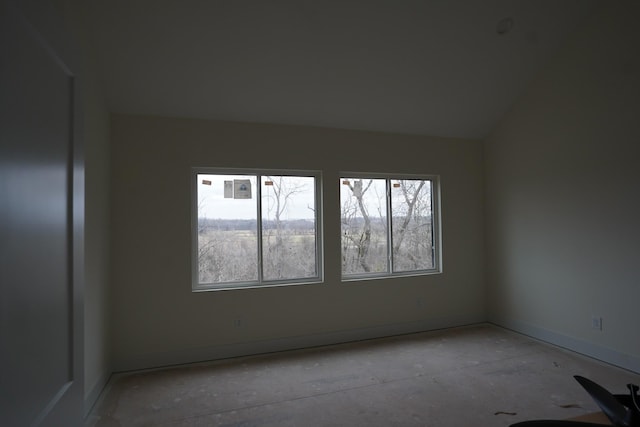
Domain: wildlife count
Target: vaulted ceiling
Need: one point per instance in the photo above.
(434, 67)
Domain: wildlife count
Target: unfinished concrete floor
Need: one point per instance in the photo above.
(479, 375)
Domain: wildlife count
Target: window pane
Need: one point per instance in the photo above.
(412, 225)
(227, 228)
(288, 227)
(364, 225)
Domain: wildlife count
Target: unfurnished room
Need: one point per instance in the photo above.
(319, 213)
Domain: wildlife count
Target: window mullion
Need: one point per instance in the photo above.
(390, 268)
(318, 225)
(434, 225)
(259, 226)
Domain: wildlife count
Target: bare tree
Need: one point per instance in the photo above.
(362, 240)
(225, 255)
(412, 241)
(280, 261)
(410, 193)
(208, 268)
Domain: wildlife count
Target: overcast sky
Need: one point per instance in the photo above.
(213, 205)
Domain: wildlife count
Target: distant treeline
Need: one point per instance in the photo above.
(250, 224)
(289, 224)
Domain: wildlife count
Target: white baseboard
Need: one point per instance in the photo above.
(92, 396)
(216, 352)
(604, 354)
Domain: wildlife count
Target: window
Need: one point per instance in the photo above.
(389, 225)
(232, 248)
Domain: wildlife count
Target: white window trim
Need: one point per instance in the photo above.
(196, 286)
(437, 230)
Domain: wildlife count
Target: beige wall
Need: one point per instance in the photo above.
(562, 196)
(157, 320)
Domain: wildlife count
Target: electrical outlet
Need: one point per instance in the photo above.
(238, 323)
(596, 323)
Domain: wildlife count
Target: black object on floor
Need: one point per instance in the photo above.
(622, 409)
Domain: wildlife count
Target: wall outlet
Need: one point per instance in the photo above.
(596, 323)
(238, 323)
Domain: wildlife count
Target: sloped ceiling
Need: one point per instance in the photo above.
(422, 67)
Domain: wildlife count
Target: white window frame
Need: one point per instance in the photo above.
(436, 226)
(260, 282)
